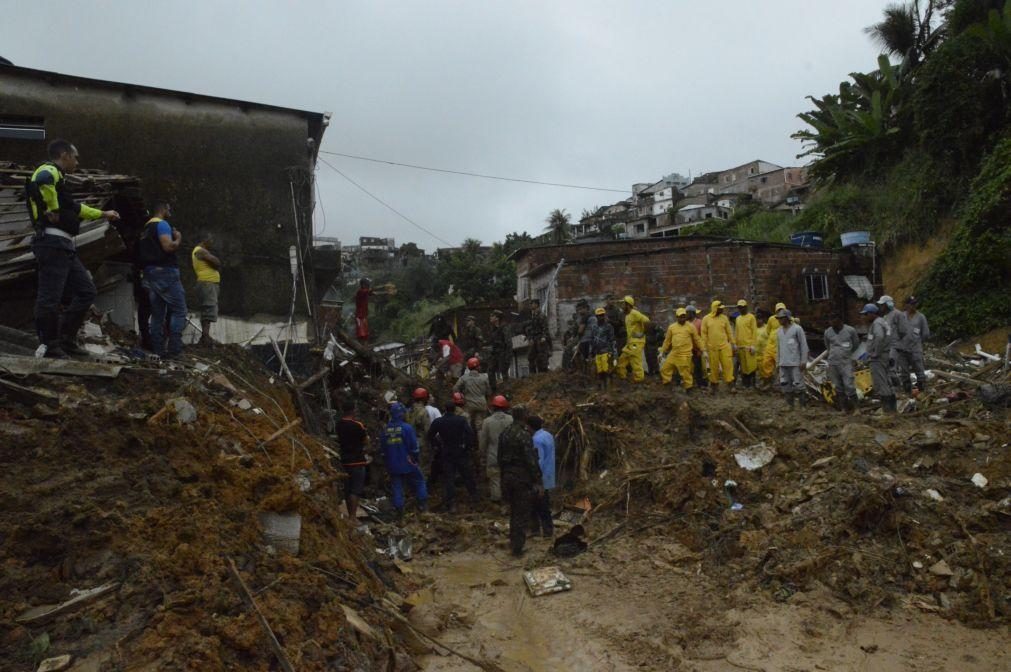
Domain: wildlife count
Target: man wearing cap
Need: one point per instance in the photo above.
(746, 335)
(919, 331)
(476, 391)
(791, 357)
(841, 341)
(539, 337)
(471, 339)
(491, 431)
(719, 344)
(602, 347)
(500, 342)
(680, 341)
(522, 481)
(767, 364)
(635, 343)
(898, 324)
(878, 338)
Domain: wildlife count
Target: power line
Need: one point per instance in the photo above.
(469, 174)
(385, 204)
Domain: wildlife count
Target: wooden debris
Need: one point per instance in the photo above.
(247, 597)
(44, 613)
(31, 395)
(291, 425)
(24, 366)
(57, 664)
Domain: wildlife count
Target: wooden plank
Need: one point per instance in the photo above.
(23, 366)
(38, 615)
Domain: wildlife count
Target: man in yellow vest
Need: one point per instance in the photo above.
(767, 367)
(719, 343)
(746, 335)
(680, 340)
(207, 268)
(57, 217)
(635, 329)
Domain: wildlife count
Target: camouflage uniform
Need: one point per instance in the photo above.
(500, 344)
(471, 340)
(539, 339)
(521, 472)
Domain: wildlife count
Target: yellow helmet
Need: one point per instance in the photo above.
(681, 312)
(600, 311)
(629, 300)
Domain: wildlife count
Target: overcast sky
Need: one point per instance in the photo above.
(582, 92)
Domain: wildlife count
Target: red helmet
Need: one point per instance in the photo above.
(420, 394)
(458, 399)
(498, 401)
(473, 363)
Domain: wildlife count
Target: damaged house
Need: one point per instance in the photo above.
(815, 283)
(241, 171)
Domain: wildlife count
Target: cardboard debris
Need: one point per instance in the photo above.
(546, 580)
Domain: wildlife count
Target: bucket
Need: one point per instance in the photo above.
(807, 238)
(855, 238)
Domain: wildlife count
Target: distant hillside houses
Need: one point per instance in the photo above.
(674, 203)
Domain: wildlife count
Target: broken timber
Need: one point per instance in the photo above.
(282, 657)
(23, 366)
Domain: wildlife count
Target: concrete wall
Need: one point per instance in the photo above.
(224, 165)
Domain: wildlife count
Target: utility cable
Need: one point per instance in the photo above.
(470, 174)
(385, 204)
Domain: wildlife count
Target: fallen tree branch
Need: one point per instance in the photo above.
(291, 425)
(247, 597)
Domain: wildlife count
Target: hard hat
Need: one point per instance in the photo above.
(629, 300)
(780, 306)
(600, 311)
(473, 363)
(691, 309)
(885, 299)
(870, 309)
(458, 399)
(420, 393)
(498, 401)
(742, 303)
(680, 312)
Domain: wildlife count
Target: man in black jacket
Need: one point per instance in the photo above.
(455, 438)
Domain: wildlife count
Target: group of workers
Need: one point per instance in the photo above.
(66, 289)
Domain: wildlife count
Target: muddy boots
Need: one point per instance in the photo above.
(70, 325)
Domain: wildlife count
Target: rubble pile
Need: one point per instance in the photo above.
(179, 516)
(878, 509)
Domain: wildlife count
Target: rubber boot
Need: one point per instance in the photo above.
(71, 324)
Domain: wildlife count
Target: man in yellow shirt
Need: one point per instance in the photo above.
(635, 329)
(746, 335)
(768, 366)
(680, 339)
(719, 343)
(208, 271)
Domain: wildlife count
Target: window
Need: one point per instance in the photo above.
(817, 287)
(22, 128)
(764, 180)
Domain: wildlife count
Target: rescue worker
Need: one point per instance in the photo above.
(746, 337)
(919, 331)
(56, 217)
(448, 358)
(401, 453)
(476, 391)
(421, 418)
(878, 338)
(603, 347)
(537, 334)
(522, 481)
(587, 322)
(501, 344)
(459, 403)
(353, 440)
(841, 341)
(898, 325)
(453, 435)
(767, 364)
(698, 366)
(654, 339)
(440, 330)
(207, 268)
(680, 342)
(544, 443)
(718, 342)
(471, 340)
(635, 342)
(791, 357)
(569, 340)
(491, 431)
(158, 248)
(362, 309)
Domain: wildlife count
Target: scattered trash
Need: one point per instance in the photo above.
(979, 480)
(358, 623)
(755, 457)
(822, 462)
(201, 367)
(244, 404)
(571, 543)
(303, 481)
(917, 564)
(185, 413)
(546, 580)
(577, 513)
(400, 547)
(78, 598)
(934, 495)
(282, 530)
(57, 664)
(941, 568)
(736, 506)
(730, 488)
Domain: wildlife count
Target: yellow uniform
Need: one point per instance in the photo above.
(602, 362)
(719, 343)
(631, 354)
(747, 340)
(204, 271)
(680, 340)
(768, 363)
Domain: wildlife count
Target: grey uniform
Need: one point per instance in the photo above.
(911, 355)
(878, 343)
(792, 357)
(841, 346)
(491, 430)
(898, 324)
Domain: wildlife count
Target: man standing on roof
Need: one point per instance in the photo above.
(841, 341)
(746, 336)
(539, 337)
(207, 268)
(491, 431)
(402, 455)
(767, 364)
(471, 339)
(791, 355)
(57, 217)
(680, 341)
(719, 343)
(879, 336)
(522, 481)
(635, 343)
(476, 391)
(157, 250)
(501, 345)
(919, 331)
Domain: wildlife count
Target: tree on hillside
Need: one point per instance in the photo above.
(559, 228)
(906, 31)
(471, 247)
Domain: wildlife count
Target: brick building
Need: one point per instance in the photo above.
(815, 283)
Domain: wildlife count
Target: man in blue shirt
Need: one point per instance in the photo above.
(157, 255)
(402, 456)
(544, 442)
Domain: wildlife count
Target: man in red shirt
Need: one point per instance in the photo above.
(362, 309)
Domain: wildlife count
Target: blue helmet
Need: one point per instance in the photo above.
(870, 309)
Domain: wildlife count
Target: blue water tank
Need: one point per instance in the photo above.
(807, 238)
(855, 238)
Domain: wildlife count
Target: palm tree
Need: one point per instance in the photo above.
(471, 247)
(559, 226)
(906, 32)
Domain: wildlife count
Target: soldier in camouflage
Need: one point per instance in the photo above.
(500, 345)
(538, 337)
(471, 338)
